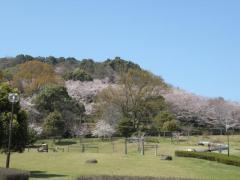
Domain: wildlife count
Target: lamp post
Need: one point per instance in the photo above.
(227, 127)
(13, 98)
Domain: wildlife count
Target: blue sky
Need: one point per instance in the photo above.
(194, 45)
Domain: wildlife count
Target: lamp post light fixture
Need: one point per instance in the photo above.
(227, 127)
(13, 98)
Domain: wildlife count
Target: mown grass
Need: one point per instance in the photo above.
(67, 165)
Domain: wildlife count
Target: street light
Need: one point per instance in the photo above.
(13, 98)
(227, 127)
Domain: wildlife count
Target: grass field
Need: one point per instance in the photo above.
(67, 165)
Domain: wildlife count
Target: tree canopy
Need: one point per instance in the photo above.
(138, 99)
(20, 126)
(55, 98)
(33, 75)
(78, 75)
(53, 125)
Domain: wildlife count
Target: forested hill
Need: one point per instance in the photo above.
(64, 66)
(115, 94)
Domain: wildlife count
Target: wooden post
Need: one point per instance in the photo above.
(68, 148)
(126, 146)
(156, 149)
(139, 146)
(142, 147)
(83, 148)
(113, 148)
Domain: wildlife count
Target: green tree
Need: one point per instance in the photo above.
(125, 128)
(53, 125)
(33, 75)
(121, 66)
(165, 121)
(170, 125)
(138, 98)
(55, 98)
(78, 75)
(19, 129)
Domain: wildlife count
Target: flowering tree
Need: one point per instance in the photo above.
(103, 129)
(223, 114)
(188, 108)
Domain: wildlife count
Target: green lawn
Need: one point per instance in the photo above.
(67, 165)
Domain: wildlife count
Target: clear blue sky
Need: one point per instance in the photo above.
(194, 45)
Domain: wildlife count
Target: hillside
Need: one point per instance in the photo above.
(85, 79)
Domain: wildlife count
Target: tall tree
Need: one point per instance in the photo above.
(138, 97)
(33, 75)
(53, 125)
(20, 135)
(55, 98)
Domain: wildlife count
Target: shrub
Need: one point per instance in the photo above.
(221, 158)
(128, 178)
(13, 174)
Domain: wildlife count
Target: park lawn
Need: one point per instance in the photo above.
(67, 165)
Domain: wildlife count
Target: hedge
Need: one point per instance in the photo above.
(221, 158)
(13, 174)
(128, 178)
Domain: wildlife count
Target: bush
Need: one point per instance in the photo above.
(13, 174)
(127, 178)
(221, 158)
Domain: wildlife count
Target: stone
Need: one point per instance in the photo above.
(92, 161)
(166, 157)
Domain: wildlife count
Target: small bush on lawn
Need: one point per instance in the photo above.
(127, 178)
(13, 174)
(221, 158)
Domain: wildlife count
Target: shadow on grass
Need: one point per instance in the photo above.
(43, 174)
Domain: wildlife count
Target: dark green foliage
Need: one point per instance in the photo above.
(13, 61)
(165, 121)
(120, 66)
(13, 174)
(55, 98)
(170, 125)
(19, 59)
(8, 73)
(128, 178)
(19, 131)
(78, 75)
(221, 158)
(51, 60)
(97, 70)
(53, 124)
(108, 68)
(125, 127)
(88, 65)
(153, 105)
(52, 98)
